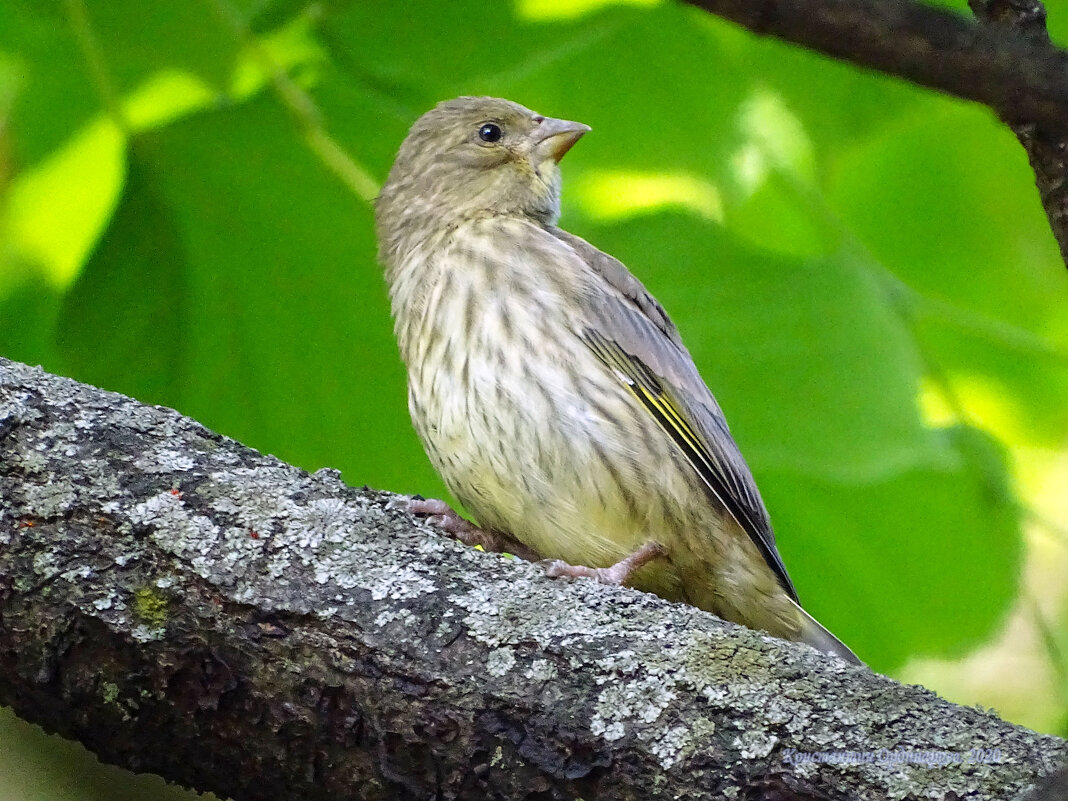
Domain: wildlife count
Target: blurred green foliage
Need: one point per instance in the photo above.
(861, 268)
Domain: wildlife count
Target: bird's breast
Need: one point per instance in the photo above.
(525, 425)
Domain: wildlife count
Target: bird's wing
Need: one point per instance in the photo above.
(632, 334)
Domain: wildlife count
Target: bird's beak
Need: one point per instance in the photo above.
(553, 138)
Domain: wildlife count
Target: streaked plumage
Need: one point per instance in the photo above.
(551, 391)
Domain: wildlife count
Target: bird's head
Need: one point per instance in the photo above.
(476, 154)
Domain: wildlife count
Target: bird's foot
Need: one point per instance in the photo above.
(443, 517)
(617, 574)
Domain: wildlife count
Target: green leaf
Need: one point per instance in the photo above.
(132, 297)
(238, 284)
(967, 222)
(138, 39)
(55, 94)
(925, 563)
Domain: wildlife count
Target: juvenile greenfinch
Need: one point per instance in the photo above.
(552, 392)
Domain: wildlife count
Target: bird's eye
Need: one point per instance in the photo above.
(490, 132)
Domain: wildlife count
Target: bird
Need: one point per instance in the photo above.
(551, 391)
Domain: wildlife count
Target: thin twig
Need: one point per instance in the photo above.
(93, 53)
(303, 110)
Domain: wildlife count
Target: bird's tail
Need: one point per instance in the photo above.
(813, 633)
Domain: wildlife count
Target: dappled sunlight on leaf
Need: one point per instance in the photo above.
(1014, 673)
(936, 409)
(772, 175)
(544, 10)
(775, 139)
(1021, 647)
(611, 195)
(56, 211)
(779, 218)
(287, 48)
(989, 406)
(1043, 475)
(164, 97)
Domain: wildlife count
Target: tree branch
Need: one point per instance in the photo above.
(1021, 78)
(184, 605)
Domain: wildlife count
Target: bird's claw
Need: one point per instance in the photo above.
(444, 518)
(615, 575)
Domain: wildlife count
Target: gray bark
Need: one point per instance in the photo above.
(185, 605)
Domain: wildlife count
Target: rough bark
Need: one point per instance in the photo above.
(185, 605)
